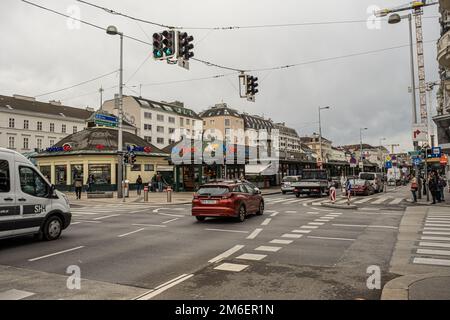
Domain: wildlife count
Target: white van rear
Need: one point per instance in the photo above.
(29, 204)
(375, 179)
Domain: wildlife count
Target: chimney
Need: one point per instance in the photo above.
(18, 96)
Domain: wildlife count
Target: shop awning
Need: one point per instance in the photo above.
(164, 168)
(256, 169)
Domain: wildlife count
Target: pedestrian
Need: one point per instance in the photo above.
(91, 182)
(414, 188)
(442, 184)
(348, 189)
(139, 185)
(433, 187)
(159, 182)
(78, 184)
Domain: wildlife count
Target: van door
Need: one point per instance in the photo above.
(33, 198)
(9, 210)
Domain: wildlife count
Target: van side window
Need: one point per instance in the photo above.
(5, 182)
(31, 183)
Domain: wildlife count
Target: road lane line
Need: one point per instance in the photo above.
(429, 261)
(252, 257)
(326, 238)
(148, 225)
(364, 226)
(266, 222)
(436, 252)
(172, 220)
(55, 254)
(292, 236)
(322, 220)
(279, 241)
(268, 249)
(154, 293)
(301, 231)
(132, 232)
(226, 254)
(106, 217)
(224, 230)
(254, 234)
(436, 238)
(170, 215)
(434, 244)
(274, 214)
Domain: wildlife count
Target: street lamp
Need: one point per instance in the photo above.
(361, 146)
(320, 135)
(112, 30)
(381, 152)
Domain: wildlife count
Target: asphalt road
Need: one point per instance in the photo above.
(296, 250)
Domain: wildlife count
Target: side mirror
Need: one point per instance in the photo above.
(51, 191)
(257, 191)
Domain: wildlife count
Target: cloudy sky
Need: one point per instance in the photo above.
(43, 52)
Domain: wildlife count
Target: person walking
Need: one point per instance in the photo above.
(159, 182)
(433, 187)
(441, 185)
(139, 185)
(78, 184)
(348, 189)
(91, 182)
(414, 188)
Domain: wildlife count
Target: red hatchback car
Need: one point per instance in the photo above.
(227, 199)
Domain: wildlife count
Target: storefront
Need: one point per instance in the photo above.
(93, 152)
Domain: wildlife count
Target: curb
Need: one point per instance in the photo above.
(337, 206)
(398, 289)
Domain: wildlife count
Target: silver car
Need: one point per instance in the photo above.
(286, 183)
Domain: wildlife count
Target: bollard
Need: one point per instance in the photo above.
(145, 194)
(127, 189)
(169, 194)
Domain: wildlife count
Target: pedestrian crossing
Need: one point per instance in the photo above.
(375, 200)
(109, 209)
(434, 245)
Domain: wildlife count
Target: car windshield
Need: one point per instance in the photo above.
(290, 179)
(213, 191)
(314, 175)
(358, 182)
(367, 176)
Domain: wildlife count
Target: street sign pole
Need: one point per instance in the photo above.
(426, 172)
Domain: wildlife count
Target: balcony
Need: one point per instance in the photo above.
(445, 4)
(443, 49)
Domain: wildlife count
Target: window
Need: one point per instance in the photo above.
(101, 173)
(12, 122)
(149, 167)
(148, 139)
(39, 143)
(39, 126)
(227, 122)
(171, 141)
(63, 128)
(193, 122)
(61, 175)
(204, 123)
(211, 122)
(52, 127)
(147, 115)
(52, 142)
(188, 122)
(160, 129)
(171, 130)
(76, 170)
(26, 124)
(160, 140)
(181, 121)
(160, 117)
(75, 129)
(147, 127)
(26, 143)
(5, 181)
(136, 167)
(32, 183)
(171, 119)
(11, 142)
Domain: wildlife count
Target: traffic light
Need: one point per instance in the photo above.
(169, 43)
(185, 46)
(158, 53)
(125, 158)
(252, 86)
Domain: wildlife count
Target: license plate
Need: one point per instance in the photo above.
(209, 202)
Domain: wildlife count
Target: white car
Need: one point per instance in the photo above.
(286, 183)
(29, 204)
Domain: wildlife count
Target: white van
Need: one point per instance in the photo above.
(29, 204)
(375, 179)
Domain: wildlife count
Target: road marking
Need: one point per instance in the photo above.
(290, 212)
(88, 221)
(312, 212)
(436, 252)
(396, 201)
(172, 220)
(127, 234)
(266, 222)
(363, 200)
(268, 249)
(436, 238)
(14, 294)
(429, 261)
(75, 223)
(322, 220)
(434, 244)
(316, 223)
(438, 221)
(55, 254)
(226, 254)
(380, 200)
(292, 236)
(438, 218)
(106, 217)
(326, 238)
(437, 225)
(231, 267)
(148, 225)
(170, 215)
(437, 229)
(301, 231)
(160, 289)
(223, 230)
(364, 226)
(437, 233)
(309, 227)
(274, 214)
(279, 241)
(252, 257)
(254, 234)
(330, 217)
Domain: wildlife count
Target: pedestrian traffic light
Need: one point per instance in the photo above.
(185, 46)
(169, 43)
(158, 53)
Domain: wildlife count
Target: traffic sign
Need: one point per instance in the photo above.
(388, 158)
(420, 133)
(414, 153)
(388, 165)
(353, 162)
(417, 161)
(106, 120)
(436, 152)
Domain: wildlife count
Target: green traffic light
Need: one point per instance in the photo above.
(168, 51)
(157, 53)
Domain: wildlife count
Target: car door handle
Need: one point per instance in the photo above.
(22, 200)
(9, 199)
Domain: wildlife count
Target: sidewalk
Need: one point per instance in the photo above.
(154, 198)
(423, 266)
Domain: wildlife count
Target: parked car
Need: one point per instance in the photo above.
(234, 199)
(376, 179)
(287, 183)
(361, 187)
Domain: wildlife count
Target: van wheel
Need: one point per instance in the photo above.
(201, 219)
(242, 213)
(261, 209)
(284, 192)
(297, 195)
(52, 228)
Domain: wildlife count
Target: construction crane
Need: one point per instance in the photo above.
(417, 8)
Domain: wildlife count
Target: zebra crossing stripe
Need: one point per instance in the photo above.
(435, 252)
(434, 244)
(396, 201)
(363, 200)
(430, 261)
(380, 200)
(436, 238)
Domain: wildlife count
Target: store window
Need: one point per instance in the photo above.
(101, 173)
(61, 175)
(76, 170)
(149, 167)
(136, 167)
(32, 183)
